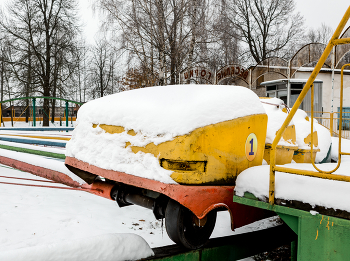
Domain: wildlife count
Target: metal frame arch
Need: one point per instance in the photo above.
(252, 68)
(302, 66)
(341, 58)
(336, 48)
(237, 76)
(268, 73)
(291, 59)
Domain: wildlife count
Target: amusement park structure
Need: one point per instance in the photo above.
(33, 109)
(161, 148)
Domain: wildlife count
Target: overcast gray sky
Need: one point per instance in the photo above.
(315, 12)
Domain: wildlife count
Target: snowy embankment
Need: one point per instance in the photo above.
(156, 115)
(118, 247)
(315, 191)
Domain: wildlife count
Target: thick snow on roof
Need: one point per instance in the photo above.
(315, 191)
(156, 114)
(174, 109)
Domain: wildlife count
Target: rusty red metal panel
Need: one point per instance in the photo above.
(199, 199)
(42, 172)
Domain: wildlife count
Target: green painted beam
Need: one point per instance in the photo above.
(34, 113)
(320, 237)
(291, 221)
(41, 97)
(67, 114)
(35, 152)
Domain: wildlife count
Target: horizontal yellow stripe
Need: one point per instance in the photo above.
(37, 137)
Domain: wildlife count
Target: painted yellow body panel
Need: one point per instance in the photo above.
(307, 140)
(284, 154)
(289, 135)
(214, 154)
(304, 156)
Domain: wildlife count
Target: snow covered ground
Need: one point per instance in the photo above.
(51, 224)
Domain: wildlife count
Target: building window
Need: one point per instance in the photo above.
(346, 118)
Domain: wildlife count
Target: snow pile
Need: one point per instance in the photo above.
(315, 191)
(38, 218)
(345, 147)
(156, 114)
(276, 117)
(103, 248)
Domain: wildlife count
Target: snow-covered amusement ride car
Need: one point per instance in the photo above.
(176, 150)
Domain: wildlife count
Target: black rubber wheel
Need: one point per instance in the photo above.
(184, 228)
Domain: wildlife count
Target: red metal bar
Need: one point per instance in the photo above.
(199, 199)
(43, 186)
(42, 172)
(49, 181)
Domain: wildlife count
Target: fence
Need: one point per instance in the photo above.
(330, 120)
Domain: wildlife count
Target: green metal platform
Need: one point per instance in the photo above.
(320, 237)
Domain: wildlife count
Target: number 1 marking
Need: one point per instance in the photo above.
(251, 147)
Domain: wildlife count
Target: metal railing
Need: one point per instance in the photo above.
(330, 120)
(309, 84)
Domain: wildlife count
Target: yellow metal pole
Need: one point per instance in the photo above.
(331, 123)
(296, 105)
(312, 131)
(315, 174)
(341, 41)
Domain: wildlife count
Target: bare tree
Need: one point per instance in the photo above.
(319, 35)
(266, 27)
(45, 30)
(161, 36)
(5, 72)
(102, 65)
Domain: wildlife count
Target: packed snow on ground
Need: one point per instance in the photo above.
(52, 224)
(315, 191)
(106, 247)
(156, 114)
